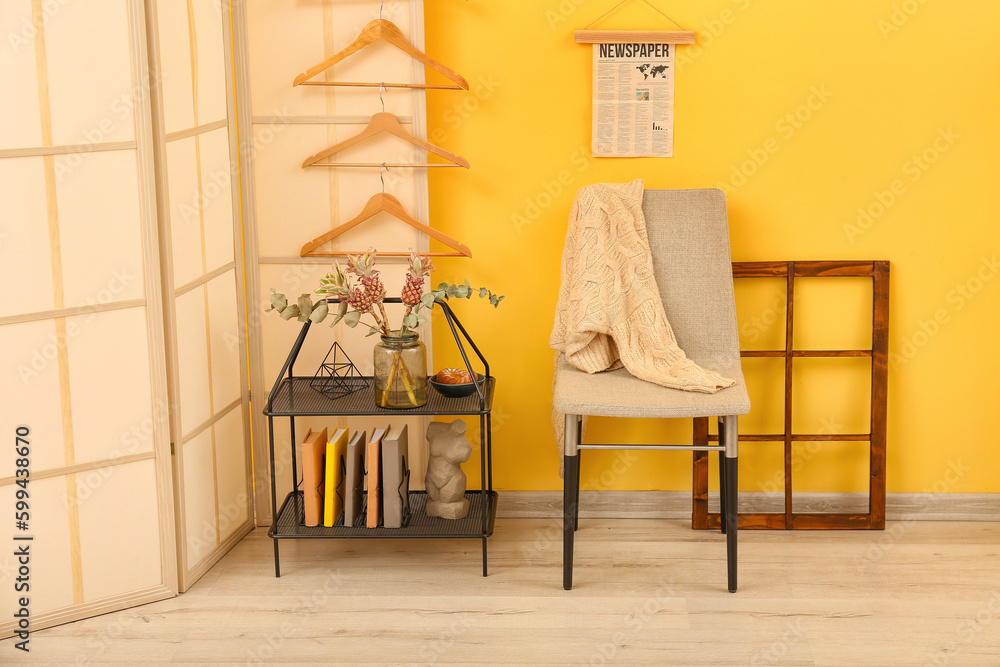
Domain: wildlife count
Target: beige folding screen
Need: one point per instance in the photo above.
(81, 327)
(121, 326)
(291, 205)
(131, 282)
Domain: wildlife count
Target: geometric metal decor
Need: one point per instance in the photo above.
(337, 376)
(790, 519)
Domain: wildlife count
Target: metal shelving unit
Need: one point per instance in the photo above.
(294, 396)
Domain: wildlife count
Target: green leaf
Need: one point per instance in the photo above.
(495, 301)
(352, 318)
(421, 318)
(411, 321)
(305, 307)
(320, 311)
(290, 312)
(340, 314)
(428, 300)
(372, 332)
(278, 301)
(483, 292)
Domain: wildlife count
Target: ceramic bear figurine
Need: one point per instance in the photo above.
(445, 480)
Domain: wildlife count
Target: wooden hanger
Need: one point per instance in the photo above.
(375, 30)
(383, 122)
(378, 203)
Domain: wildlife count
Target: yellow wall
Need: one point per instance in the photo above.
(885, 87)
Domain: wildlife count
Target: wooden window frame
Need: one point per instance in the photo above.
(874, 519)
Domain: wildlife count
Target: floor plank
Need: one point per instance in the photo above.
(647, 592)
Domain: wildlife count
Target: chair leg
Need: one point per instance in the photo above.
(732, 495)
(576, 505)
(722, 477)
(731, 518)
(723, 507)
(571, 486)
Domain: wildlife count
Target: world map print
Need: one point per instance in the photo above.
(653, 70)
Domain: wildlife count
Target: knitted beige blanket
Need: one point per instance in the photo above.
(609, 312)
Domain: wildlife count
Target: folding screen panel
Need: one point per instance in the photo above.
(121, 245)
(203, 289)
(292, 205)
(82, 368)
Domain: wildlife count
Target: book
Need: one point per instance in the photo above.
(395, 478)
(354, 478)
(333, 495)
(373, 475)
(312, 453)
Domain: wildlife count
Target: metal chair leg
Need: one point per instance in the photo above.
(722, 477)
(731, 518)
(723, 506)
(576, 504)
(732, 496)
(571, 484)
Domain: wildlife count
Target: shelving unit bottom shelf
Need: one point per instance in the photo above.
(419, 526)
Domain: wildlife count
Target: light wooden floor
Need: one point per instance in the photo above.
(647, 592)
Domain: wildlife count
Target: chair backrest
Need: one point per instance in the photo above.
(688, 234)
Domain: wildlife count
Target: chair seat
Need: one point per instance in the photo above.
(618, 393)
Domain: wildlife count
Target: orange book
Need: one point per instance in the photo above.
(373, 461)
(312, 455)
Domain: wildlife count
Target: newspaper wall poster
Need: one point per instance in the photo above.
(633, 100)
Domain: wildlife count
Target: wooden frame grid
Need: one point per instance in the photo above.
(874, 519)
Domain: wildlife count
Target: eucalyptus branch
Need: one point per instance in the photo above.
(359, 286)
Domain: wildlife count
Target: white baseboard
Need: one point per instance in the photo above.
(677, 504)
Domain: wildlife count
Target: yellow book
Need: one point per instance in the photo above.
(333, 495)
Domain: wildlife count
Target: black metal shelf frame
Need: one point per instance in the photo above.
(293, 396)
(419, 525)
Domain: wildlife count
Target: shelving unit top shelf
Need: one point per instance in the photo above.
(295, 397)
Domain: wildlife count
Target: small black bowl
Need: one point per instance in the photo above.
(456, 390)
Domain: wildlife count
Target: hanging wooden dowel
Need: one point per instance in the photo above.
(587, 36)
(367, 84)
(381, 253)
(633, 36)
(382, 164)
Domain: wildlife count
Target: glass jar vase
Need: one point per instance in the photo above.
(400, 371)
